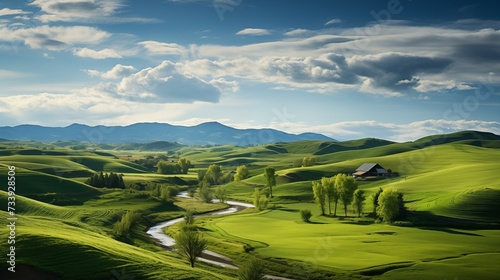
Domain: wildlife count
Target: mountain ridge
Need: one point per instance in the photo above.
(208, 133)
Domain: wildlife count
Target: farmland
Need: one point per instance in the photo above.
(450, 186)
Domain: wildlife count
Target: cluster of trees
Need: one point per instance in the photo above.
(162, 192)
(214, 175)
(340, 187)
(122, 227)
(181, 167)
(388, 205)
(151, 162)
(106, 180)
(304, 162)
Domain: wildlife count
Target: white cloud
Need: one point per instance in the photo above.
(160, 48)
(253, 32)
(10, 12)
(297, 32)
(117, 72)
(390, 131)
(333, 21)
(54, 37)
(102, 54)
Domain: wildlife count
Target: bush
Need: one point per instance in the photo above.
(305, 215)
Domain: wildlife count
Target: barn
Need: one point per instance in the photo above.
(370, 170)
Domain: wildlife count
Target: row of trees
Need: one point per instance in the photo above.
(340, 187)
(106, 180)
(181, 167)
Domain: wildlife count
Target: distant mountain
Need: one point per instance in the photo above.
(210, 133)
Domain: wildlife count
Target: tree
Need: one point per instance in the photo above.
(251, 270)
(269, 174)
(388, 205)
(331, 193)
(220, 194)
(319, 195)
(201, 174)
(260, 201)
(241, 173)
(205, 192)
(338, 184)
(306, 215)
(347, 190)
(375, 201)
(213, 174)
(190, 244)
(359, 200)
(184, 165)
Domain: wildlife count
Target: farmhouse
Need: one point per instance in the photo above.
(370, 170)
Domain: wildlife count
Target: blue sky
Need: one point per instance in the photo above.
(390, 69)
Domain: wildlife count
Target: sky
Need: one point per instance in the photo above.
(392, 69)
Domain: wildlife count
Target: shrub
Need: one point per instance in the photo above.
(305, 215)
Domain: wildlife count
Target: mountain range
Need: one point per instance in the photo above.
(209, 133)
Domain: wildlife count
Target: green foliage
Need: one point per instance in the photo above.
(306, 215)
(221, 194)
(319, 195)
(346, 186)
(359, 201)
(259, 200)
(308, 161)
(241, 173)
(201, 174)
(168, 168)
(331, 193)
(190, 244)
(269, 174)
(205, 193)
(122, 227)
(106, 180)
(213, 174)
(251, 270)
(184, 165)
(388, 202)
(375, 201)
(189, 217)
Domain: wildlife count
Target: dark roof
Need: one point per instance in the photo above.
(368, 166)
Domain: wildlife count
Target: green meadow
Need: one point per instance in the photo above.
(450, 184)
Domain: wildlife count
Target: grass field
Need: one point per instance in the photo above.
(450, 184)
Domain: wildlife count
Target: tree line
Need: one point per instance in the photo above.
(106, 180)
(180, 167)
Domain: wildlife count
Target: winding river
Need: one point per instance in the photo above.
(157, 233)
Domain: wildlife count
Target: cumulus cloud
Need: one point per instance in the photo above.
(164, 84)
(160, 48)
(102, 54)
(119, 71)
(253, 32)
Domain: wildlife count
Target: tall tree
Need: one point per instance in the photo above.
(260, 201)
(205, 192)
(269, 174)
(241, 173)
(319, 195)
(221, 194)
(331, 192)
(375, 201)
(388, 205)
(190, 244)
(359, 200)
(347, 187)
